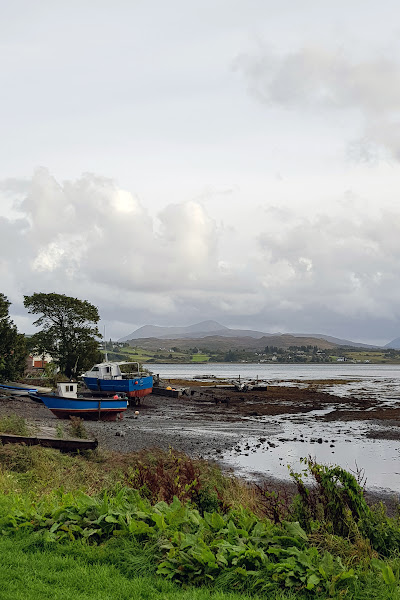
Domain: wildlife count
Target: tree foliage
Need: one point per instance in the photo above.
(69, 330)
(12, 345)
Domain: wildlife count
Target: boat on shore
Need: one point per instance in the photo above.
(17, 390)
(66, 403)
(109, 378)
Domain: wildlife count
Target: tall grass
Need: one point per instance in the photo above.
(15, 425)
(130, 528)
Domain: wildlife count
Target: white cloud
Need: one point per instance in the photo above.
(331, 272)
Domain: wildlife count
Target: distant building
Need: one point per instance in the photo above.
(36, 362)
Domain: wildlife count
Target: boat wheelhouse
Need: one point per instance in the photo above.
(108, 377)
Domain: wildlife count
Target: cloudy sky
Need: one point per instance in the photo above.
(235, 160)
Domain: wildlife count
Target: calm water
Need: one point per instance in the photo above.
(275, 372)
(378, 381)
(295, 436)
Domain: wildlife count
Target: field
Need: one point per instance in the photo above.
(164, 355)
(375, 356)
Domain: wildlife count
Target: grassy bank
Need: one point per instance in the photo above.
(159, 525)
(32, 571)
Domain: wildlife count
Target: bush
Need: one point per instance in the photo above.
(77, 427)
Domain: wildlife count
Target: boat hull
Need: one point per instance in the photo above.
(103, 409)
(17, 390)
(134, 388)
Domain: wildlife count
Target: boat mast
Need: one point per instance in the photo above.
(105, 345)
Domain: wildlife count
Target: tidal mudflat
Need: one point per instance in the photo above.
(258, 433)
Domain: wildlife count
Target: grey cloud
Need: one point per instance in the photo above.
(350, 265)
(91, 239)
(89, 236)
(319, 79)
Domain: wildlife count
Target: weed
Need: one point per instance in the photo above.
(77, 427)
(14, 424)
(173, 475)
(275, 503)
(337, 500)
(336, 505)
(188, 548)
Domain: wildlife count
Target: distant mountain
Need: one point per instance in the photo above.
(334, 340)
(205, 329)
(197, 331)
(394, 344)
(224, 343)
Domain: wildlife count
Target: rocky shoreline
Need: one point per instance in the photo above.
(211, 422)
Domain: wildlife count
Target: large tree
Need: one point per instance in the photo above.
(12, 345)
(69, 330)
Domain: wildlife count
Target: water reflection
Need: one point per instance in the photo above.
(334, 443)
(292, 437)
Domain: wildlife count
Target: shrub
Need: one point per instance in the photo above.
(77, 427)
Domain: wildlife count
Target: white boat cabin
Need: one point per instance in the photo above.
(67, 390)
(111, 370)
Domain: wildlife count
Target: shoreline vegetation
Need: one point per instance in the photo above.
(158, 522)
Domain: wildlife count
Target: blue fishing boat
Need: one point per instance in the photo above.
(107, 377)
(66, 403)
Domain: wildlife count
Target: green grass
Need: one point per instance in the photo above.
(200, 358)
(86, 573)
(143, 356)
(29, 571)
(130, 354)
(371, 356)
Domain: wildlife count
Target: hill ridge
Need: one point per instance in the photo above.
(205, 329)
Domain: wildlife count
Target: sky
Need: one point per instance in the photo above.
(174, 162)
